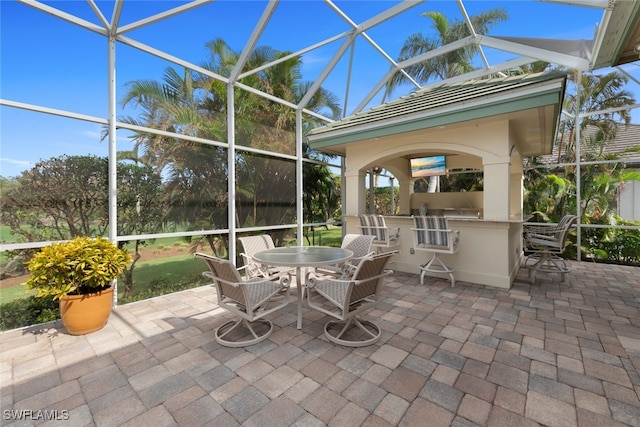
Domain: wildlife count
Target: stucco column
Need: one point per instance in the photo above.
(356, 198)
(497, 189)
(517, 187)
(405, 188)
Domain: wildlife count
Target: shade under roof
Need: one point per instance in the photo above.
(620, 35)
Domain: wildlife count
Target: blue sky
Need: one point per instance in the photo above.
(56, 64)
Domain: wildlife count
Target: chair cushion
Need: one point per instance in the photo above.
(374, 225)
(437, 234)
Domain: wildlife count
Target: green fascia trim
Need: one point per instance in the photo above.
(541, 99)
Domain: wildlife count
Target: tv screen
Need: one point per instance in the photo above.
(428, 166)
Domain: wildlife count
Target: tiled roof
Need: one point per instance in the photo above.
(626, 145)
(438, 99)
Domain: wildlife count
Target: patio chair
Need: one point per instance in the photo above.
(248, 299)
(432, 234)
(383, 236)
(253, 244)
(346, 299)
(546, 244)
(360, 245)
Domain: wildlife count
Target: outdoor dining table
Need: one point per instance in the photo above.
(299, 257)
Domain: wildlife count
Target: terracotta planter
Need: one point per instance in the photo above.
(83, 314)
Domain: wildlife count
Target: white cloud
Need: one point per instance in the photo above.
(12, 167)
(16, 162)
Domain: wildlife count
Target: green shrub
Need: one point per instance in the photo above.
(623, 249)
(33, 310)
(79, 266)
(161, 286)
(614, 246)
(28, 311)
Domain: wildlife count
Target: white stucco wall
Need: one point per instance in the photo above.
(629, 201)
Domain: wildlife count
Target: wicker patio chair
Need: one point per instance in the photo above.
(545, 245)
(248, 299)
(253, 244)
(360, 245)
(347, 299)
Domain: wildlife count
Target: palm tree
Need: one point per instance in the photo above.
(603, 93)
(535, 67)
(450, 64)
(267, 125)
(601, 177)
(172, 105)
(274, 122)
(196, 105)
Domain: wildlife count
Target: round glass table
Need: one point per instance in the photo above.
(299, 257)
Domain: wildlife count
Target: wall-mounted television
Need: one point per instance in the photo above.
(428, 166)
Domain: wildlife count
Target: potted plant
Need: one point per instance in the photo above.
(79, 273)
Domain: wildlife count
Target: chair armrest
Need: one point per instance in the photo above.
(374, 227)
(250, 270)
(316, 279)
(540, 229)
(350, 266)
(284, 278)
(377, 276)
(388, 234)
(251, 267)
(542, 236)
(452, 235)
(549, 233)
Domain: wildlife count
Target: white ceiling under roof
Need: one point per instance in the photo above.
(351, 47)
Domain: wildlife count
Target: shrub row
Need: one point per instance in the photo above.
(33, 310)
(28, 311)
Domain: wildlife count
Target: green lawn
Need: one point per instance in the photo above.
(169, 270)
(14, 293)
(177, 272)
(324, 237)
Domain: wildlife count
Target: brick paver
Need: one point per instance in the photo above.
(545, 354)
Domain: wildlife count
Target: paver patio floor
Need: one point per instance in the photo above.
(544, 354)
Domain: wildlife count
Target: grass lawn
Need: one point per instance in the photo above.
(322, 236)
(167, 271)
(173, 272)
(14, 293)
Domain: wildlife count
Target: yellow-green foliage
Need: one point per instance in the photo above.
(78, 266)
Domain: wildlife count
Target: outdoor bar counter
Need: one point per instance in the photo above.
(490, 250)
(487, 125)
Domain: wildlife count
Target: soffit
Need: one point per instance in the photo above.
(621, 36)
